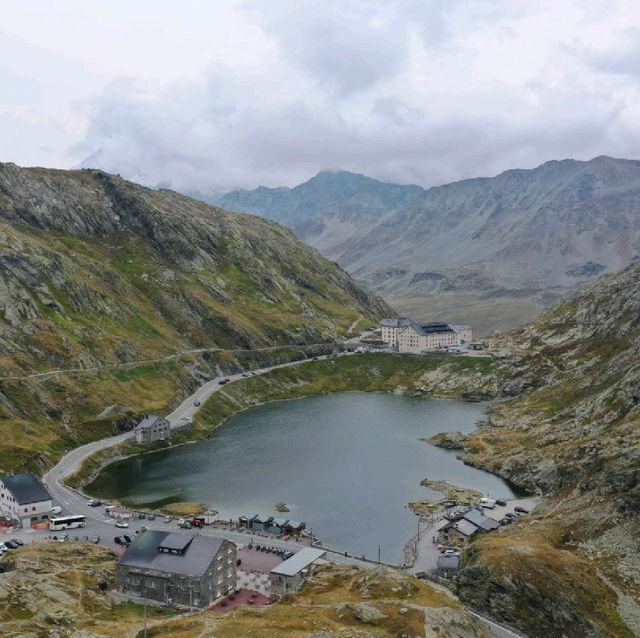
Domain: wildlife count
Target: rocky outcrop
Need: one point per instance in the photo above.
(449, 440)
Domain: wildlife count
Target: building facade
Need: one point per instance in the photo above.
(416, 337)
(182, 569)
(389, 329)
(425, 337)
(289, 576)
(152, 428)
(24, 499)
(464, 332)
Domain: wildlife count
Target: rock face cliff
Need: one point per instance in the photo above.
(97, 269)
(567, 427)
(492, 252)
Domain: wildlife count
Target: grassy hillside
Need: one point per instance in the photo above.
(97, 271)
(62, 588)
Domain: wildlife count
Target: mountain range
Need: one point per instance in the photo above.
(492, 252)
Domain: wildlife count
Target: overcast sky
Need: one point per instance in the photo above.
(208, 96)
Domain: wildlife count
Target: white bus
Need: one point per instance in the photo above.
(67, 522)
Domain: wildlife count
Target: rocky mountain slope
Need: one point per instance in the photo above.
(330, 211)
(62, 590)
(568, 427)
(492, 252)
(95, 270)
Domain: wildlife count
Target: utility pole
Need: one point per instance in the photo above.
(418, 529)
(145, 615)
(378, 553)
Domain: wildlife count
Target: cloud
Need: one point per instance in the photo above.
(412, 91)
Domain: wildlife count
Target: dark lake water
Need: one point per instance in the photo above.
(347, 464)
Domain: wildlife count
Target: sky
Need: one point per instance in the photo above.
(206, 96)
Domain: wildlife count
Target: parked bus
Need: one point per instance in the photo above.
(67, 522)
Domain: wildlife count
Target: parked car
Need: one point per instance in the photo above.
(520, 509)
(127, 539)
(186, 525)
(118, 540)
(151, 517)
(56, 509)
(95, 539)
(197, 403)
(501, 502)
(122, 524)
(223, 381)
(197, 521)
(93, 502)
(450, 552)
(168, 519)
(11, 545)
(17, 541)
(142, 515)
(3, 549)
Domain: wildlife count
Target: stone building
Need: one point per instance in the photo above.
(183, 569)
(152, 428)
(25, 499)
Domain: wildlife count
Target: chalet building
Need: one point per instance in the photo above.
(24, 499)
(415, 337)
(456, 533)
(289, 576)
(152, 428)
(183, 569)
(448, 566)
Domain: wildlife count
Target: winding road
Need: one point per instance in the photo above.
(99, 524)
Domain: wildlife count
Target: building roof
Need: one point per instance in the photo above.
(430, 328)
(298, 561)
(263, 519)
(459, 327)
(296, 524)
(402, 322)
(465, 527)
(485, 523)
(175, 542)
(149, 421)
(145, 553)
(26, 488)
(248, 517)
(280, 522)
(448, 562)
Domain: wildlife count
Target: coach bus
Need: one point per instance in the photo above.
(67, 522)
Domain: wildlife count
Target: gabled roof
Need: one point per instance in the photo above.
(485, 523)
(149, 421)
(395, 323)
(465, 527)
(448, 562)
(26, 488)
(298, 561)
(199, 552)
(430, 328)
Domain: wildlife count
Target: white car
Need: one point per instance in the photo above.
(123, 524)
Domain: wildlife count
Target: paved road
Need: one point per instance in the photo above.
(72, 501)
(99, 524)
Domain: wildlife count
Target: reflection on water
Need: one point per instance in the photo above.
(347, 464)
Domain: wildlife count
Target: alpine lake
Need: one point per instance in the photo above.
(347, 464)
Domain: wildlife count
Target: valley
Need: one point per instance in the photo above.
(561, 390)
(491, 252)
